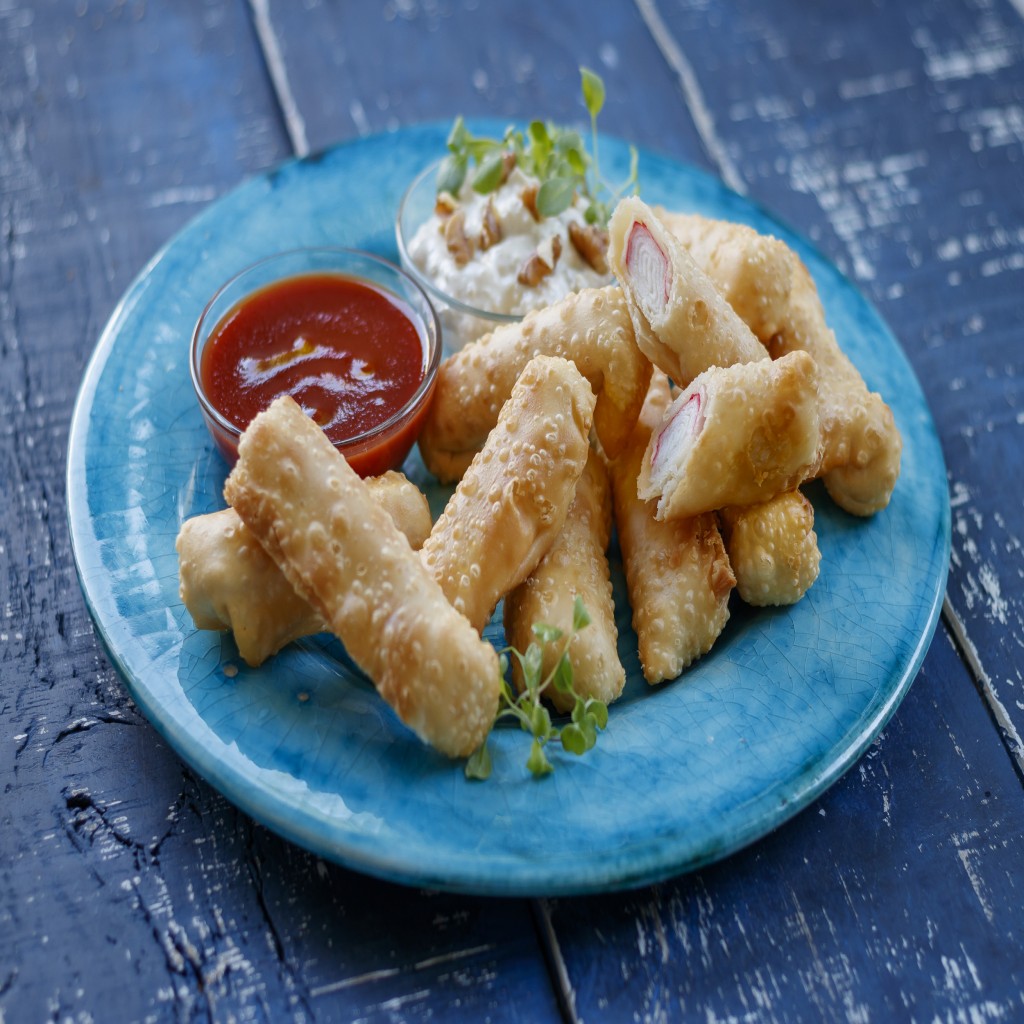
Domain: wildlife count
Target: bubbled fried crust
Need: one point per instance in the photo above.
(591, 328)
(861, 445)
(319, 522)
(513, 499)
(575, 566)
(227, 580)
(677, 571)
(773, 549)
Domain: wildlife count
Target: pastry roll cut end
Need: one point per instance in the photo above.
(737, 435)
(681, 320)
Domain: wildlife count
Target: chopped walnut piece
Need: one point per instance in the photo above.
(529, 198)
(455, 238)
(591, 242)
(541, 263)
(490, 227)
(445, 204)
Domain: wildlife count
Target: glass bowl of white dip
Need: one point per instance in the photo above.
(487, 281)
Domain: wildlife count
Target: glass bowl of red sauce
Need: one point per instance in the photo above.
(351, 337)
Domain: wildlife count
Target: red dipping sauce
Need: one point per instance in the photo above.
(350, 353)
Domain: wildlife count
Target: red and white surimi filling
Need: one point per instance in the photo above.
(683, 424)
(650, 273)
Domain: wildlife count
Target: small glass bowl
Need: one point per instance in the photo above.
(372, 451)
(461, 323)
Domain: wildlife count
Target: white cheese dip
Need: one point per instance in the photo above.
(489, 280)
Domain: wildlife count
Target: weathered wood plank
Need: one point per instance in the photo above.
(892, 135)
(374, 66)
(128, 888)
(878, 902)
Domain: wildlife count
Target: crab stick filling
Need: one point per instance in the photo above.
(682, 426)
(649, 268)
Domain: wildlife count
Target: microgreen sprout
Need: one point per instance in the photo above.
(555, 155)
(588, 717)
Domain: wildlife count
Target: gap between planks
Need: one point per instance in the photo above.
(294, 123)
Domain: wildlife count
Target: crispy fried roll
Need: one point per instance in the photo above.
(681, 321)
(512, 501)
(772, 548)
(677, 572)
(319, 521)
(736, 436)
(227, 581)
(575, 565)
(861, 444)
(591, 328)
(753, 272)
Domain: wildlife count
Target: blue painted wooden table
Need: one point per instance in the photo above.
(890, 135)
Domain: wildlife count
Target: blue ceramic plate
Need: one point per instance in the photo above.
(686, 773)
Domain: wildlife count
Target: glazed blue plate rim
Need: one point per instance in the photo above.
(649, 856)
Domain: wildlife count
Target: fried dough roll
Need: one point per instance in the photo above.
(677, 572)
(753, 272)
(773, 549)
(681, 321)
(737, 435)
(319, 521)
(512, 501)
(575, 565)
(861, 444)
(591, 328)
(227, 581)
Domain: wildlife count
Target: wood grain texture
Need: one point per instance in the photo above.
(354, 69)
(876, 903)
(129, 890)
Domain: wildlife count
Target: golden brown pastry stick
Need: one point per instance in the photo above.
(591, 328)
(575, 566)
(773, 548)
(861, 444)
(677, 572)
(680, 319)
(753, 272)
(318, 520)
(513, 499)
(737, 435)
(227, 581)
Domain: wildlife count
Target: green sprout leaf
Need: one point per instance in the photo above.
(589, 716)
(451, 174)
(557, 156)
(562, 678)
(546, 634)
(555, 195)
(488, 176)
(573, 739)
(593, 91)
(599, 710)
(538, 762)
(580, 615)
(478, 766)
